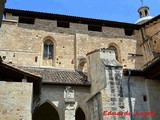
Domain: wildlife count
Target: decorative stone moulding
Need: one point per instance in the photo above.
(69, 95)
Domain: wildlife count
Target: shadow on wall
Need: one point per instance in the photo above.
(82, 64)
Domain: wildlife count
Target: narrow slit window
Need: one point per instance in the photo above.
(144, 98)
(36, 59)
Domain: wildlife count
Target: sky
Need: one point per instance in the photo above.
(114, 10)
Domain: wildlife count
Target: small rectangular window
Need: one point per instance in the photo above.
(63, 24)
(129, 32)
(144, 98)
(4, 57)
(36, 59)
(95, 28)
(26, 20)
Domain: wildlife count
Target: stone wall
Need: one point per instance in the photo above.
(96, 72)
(112, 90)
(87, 43)
(153, 97)
(144, 96)
(138, 89)
(150, 44)
(95, 107)
(22, 48)
(15, 101)
(55, 94)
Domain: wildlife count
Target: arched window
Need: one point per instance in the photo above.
(146, 12)
(112, 47)
(48, 51)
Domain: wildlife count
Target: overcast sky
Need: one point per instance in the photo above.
(115, 10)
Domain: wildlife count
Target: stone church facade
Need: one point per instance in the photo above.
(58, 67)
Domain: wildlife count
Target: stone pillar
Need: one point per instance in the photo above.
(70, 110)
(70, 104)
(2, 6)
(112, 94)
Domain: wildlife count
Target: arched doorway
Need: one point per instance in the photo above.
(80, 114)
(46, 111)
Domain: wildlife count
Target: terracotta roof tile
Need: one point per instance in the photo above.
(51, 75)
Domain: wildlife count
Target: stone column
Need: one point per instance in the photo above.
(70, 110)
(70, 104)
(2, 6)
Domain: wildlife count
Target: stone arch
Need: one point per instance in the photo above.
(49, 37)
(46, 111)
(80, 115)
(48, 51)
(116, 49)
(82, 64)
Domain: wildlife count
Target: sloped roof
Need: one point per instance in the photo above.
(111, 62)
(60, 77)
(12, 73)
(150, 71)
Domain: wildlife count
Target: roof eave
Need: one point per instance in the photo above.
(134, 72)
(73, 19)
(150, 21)
(67, 84)
(36, 80)
(151, 71)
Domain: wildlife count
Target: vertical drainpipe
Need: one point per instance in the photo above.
(129, 95)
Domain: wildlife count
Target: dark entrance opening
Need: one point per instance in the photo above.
(80, 114)
(46, 111)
